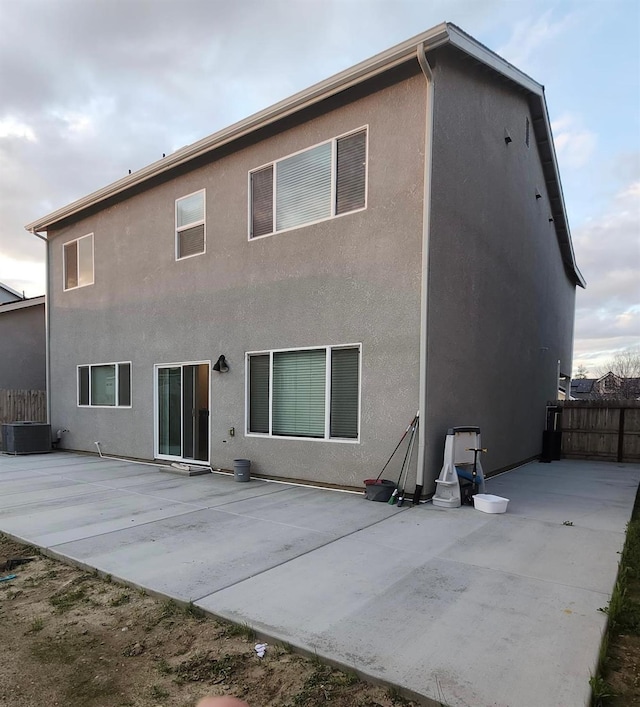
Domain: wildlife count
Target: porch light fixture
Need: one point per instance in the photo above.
(221, 365)
(538, 195)
(507, 137)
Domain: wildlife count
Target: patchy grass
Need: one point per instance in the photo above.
(617, 680)
(68, 637)
(242, 630)
(122, 599)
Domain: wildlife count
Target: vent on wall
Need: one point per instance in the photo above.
(26, 437)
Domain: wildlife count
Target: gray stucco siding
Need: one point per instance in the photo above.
(351, 279)
(500, 302)
(22, 349)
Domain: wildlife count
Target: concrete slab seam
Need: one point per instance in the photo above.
(302, 554)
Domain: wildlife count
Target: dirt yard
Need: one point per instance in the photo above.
(73, 639)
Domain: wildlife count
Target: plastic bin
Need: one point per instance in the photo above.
(241, 469)
(488, 503)
(379, 489)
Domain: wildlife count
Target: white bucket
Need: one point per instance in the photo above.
(488, 503)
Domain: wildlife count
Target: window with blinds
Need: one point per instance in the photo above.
(190, 225)
(310, 393)
(104, 385)
(313, 185)
(78, 262)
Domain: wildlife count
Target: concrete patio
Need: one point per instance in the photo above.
(461, 607)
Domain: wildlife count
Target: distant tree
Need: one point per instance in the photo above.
(581, 373)
(625, 366)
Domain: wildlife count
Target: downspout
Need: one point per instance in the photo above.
(424, 294)
(47, 315)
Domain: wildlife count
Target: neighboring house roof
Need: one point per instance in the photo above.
(596, 388)
(8, 294)
(21, 304)
(582, 386)
(441, 35)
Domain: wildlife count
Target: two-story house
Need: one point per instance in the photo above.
(391, 239)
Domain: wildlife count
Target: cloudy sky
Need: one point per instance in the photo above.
(93, 88)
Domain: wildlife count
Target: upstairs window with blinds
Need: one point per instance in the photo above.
(190, 225)
(319, 183)
(310, 393)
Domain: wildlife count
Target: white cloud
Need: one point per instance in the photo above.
(23, 275)
(530, 36)
(608, 253)
(574, 143)
(12, 127)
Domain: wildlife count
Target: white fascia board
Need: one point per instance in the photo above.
(22, 304)
(462, 41)
(10, 290)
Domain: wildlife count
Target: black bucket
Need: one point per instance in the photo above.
(379, 489)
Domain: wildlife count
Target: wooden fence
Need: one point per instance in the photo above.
(608, 430)
(22, 405)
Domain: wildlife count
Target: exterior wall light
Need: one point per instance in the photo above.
(507, 137)
(221, 365)
(538, 195)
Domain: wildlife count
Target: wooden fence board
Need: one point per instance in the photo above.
(601, 429)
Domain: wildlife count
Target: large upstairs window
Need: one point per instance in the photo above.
(321, 182)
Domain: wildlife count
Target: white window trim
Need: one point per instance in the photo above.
(64, 263)
(191, 225)
(273, 163)
(327, 394)
(105, 407)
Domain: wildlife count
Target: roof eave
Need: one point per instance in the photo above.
(21, 304)
(361, 72)
(445, 33)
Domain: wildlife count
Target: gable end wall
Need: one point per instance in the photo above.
(500, 302)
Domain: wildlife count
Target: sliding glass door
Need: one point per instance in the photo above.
(182, 411)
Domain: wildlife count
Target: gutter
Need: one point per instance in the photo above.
(47, 320)
(424, 292)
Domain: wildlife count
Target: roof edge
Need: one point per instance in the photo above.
(444, 33)
(22, 304)
(324, 89)
(11, 291)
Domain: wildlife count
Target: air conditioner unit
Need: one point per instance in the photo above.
(26, 437)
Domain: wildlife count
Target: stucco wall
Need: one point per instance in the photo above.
(501, 306)
(22, 349)
(353, 279)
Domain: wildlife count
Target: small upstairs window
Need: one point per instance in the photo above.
(78, 262)
(312, 185)
(190, 225)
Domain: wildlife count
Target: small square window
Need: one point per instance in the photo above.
(78, 262)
